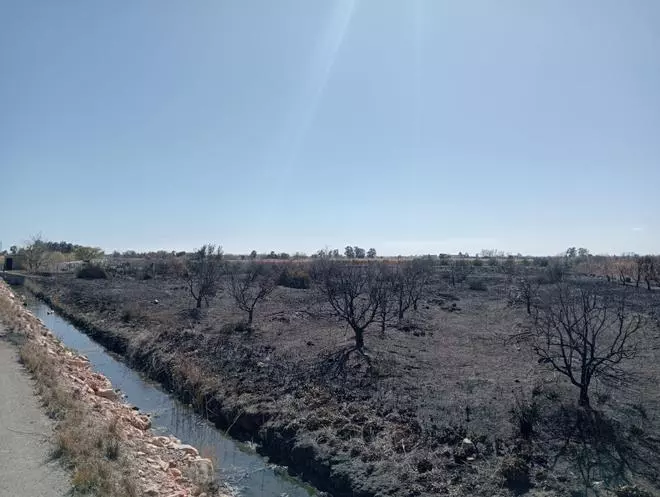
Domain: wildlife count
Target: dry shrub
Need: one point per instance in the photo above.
(477, 284)
(190, 380)
(132, 313)
(294, 278)
(9, 317)
(515, 472)
(525, 414)
(92, 272)
(238, 326)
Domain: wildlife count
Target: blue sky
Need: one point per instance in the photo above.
(412, 126)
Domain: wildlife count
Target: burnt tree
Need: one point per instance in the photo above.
(647, 269)
(528, 290)
(584, 335)
(250, 284)
(202, 273)
(387, 289)
(409, 283)
(354, 292)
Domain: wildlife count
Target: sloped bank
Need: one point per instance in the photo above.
(278, 436)
(108, 445)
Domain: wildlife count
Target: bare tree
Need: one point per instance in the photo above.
(353, 292)
(250, 284)
(639, 270)
(387, 295)
(421, 270)
(203, 272)
(528, 291)
(35, 252)
(647, 269)
(458, 271)
(584, 335)
(401, 283)
(410, 282)
(509, 267)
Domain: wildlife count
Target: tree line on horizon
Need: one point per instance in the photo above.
(38, 253)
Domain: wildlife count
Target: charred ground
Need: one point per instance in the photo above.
(441, 409)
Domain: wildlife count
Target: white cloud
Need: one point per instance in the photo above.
(638, 228)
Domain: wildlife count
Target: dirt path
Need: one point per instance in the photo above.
(25, 469)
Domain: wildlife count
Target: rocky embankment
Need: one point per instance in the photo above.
(156, 465)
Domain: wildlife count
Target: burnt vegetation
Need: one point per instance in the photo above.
(585, 335)
(249, 285)
(469, 375)
(202, 273)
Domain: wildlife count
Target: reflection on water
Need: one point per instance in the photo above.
(248, 473)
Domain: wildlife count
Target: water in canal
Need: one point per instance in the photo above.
(249, 474)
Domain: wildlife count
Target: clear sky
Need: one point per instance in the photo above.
(413, 126)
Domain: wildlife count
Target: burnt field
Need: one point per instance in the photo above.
(452, 399)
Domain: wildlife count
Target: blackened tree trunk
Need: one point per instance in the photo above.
(359, 338)
(584, 395)
(401, 307)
